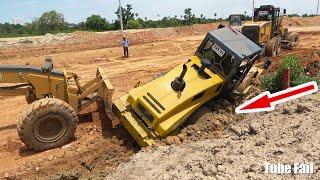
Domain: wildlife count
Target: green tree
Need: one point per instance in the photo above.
(134, 24)
(51, 21)
(96, 22)
(188, 16)
(127, 15)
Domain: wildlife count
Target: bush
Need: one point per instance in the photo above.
(290, 62)
(133, 24)
(96, 22)
(270, 83)
(274, 82)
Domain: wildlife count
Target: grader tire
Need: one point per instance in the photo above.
(46, 124)
(30, 98)
(272, 47)
(278, 42)
(294, 38)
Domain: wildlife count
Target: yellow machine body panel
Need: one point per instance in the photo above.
(26, 80)
(43, 84)
(161, 109)
(264, 30)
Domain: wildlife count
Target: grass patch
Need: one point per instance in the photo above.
(274, 82)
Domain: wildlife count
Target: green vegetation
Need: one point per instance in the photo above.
(54, 22)
(96, 23)
(303, 15)
(274, 82)
(309, 15)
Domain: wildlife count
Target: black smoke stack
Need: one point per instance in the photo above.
(178, 84)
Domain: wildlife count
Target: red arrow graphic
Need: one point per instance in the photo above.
(267, 101)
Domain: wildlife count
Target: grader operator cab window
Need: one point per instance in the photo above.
(235, 20)
(264, 16)
(221, 62)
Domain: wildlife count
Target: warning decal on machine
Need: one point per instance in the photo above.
(218, 50)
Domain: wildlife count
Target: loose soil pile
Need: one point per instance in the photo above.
(287, 135)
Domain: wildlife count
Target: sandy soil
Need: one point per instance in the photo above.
(99, 149)
(288, 135)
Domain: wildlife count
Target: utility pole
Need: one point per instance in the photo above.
(252, 10)
(120, 11)
(318, 8)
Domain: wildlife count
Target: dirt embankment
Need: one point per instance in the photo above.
(287, 135)
(80, 41)
(302, 21)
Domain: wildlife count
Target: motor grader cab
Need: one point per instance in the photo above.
(55, 98)
(267, 30)
(159, 107)
(235, 21)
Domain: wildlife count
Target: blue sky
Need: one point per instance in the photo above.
(78, 10)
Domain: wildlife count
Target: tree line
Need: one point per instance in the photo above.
(54, 22)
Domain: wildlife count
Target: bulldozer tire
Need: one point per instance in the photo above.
(294, 38)
(47, 123)
(272, 47)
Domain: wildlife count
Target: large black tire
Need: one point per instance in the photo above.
(46, 124)
(30, 98)
(272, 47)
(285, 33)
(31, 95)
(294, 38)
(278, 42)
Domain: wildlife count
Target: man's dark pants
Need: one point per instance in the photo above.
(126, 52)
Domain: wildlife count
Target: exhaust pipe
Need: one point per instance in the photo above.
(178, 84)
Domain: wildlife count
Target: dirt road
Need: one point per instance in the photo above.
(98, 151)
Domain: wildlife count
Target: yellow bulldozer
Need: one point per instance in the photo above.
(267, 30)
(149, 112)
(218, 67)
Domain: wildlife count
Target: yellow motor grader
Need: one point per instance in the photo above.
(267, 30)
(55, 98)
(149, 112)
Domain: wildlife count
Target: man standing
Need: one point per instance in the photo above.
(125, 45)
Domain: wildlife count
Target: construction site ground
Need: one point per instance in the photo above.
(198, 150)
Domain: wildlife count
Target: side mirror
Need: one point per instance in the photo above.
(267, 63)
(284, 11)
